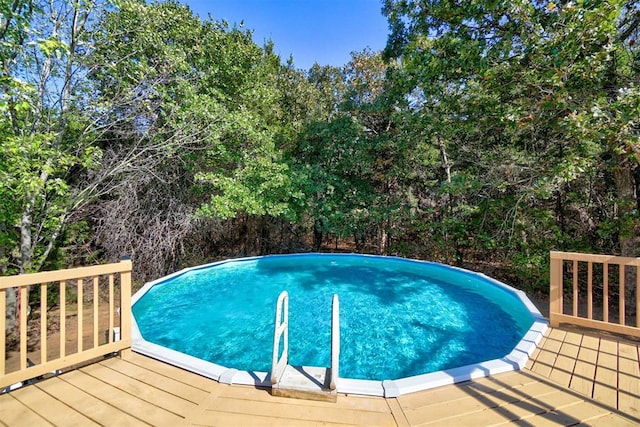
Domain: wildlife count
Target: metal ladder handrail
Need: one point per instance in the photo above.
(335, 342)
(282, 328)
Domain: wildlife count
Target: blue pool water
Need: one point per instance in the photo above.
(398, 317)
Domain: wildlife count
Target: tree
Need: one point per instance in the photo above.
(508, 91)
(225, 106)
(44, 138)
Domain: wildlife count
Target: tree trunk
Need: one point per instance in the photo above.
(25, 240)
(629, 233)
(626, 189)
(317, 235)
(384, 238)
(11, 311)
(3, 251)
(11, 316)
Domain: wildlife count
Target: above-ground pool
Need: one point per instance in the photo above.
(405, 325)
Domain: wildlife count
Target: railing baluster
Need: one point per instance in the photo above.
(575, 287)
(110, 332)
(43, 322)
(605, 292)
(3, 327)
(621, 296)
(80, 291)
(637, 293)
(590, 290)
(95, 311)
(63, 318)
(23, 327)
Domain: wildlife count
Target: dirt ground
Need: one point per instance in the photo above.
(53, 334)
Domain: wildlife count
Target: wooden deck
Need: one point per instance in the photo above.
(573, 379)
(598, 366)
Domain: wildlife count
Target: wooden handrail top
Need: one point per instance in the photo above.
(605, 259)
(60, 275)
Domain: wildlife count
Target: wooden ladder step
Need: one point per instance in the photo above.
(305, 382)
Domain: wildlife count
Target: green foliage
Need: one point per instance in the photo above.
(529, 102)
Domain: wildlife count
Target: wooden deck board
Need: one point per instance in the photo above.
(563, 369)
(605, 387)
(398, 414)
(544, 362)
(362, 403)
(123, 399)
(178, 388)
(616, 372)
(533, 397)
(15, 413)
(448, 410)
(590, 342)
(170, 402)
(573, 338)
(565, 363)
(556, 334)
(310, 413)
(553, 341)
(584, 371)
(144, 391)
(568, 415)
(222, 419)
(92, 407)
(628, 379)
(608, 347)
(432, 397)
(50, 408)
(172, 372)
(612, 420)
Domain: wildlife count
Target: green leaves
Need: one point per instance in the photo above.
(52, 46)
(532, 103)
(263, 186)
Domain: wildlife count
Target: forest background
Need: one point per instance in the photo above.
(486, 134)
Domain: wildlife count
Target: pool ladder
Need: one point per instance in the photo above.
(306, 382)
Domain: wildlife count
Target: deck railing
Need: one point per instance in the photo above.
(101, 295)
(603, 292)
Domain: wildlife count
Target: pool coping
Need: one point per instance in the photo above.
(515, 360)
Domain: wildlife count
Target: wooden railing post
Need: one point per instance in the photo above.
(125, 305)
(556, 291)
(637, 264)
(3, 327)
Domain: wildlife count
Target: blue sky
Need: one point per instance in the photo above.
(323, 31)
